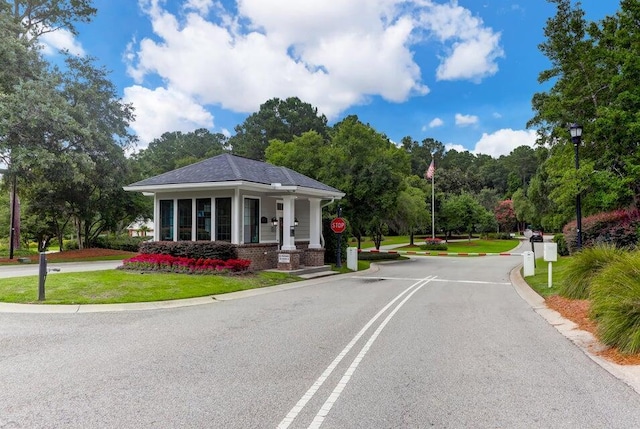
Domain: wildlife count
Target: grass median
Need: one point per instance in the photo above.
(540, 281)
(121, 286)
(474, 246)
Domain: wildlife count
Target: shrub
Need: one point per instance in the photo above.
(500, 236)
(619, 227)
(70, 245)
(583, 268)
(434, 244)
(191, 249)
(615, 303)
(369, 256)
(180, 264)
(126, 243)
(563, 250)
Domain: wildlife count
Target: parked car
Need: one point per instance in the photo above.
(537, 236)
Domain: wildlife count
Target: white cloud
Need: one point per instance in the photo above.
(161, 110)
(437, 122)
(502, 142)
(60, 39)
(201, 6)
(465, 120)
(332, 54)
(474, 49)
(456, 147)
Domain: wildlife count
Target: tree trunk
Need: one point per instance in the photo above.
(79, 231)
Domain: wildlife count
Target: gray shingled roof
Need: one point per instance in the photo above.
(231, 168)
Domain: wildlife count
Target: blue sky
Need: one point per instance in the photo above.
(462, 72)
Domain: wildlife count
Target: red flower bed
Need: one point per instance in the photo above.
(178, 264)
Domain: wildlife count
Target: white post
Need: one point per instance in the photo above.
(236, 218)
(315, 223)
(551, 256)
(288, 240)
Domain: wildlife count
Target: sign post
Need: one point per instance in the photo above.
(338, 225)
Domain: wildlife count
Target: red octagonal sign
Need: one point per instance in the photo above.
(338, 225)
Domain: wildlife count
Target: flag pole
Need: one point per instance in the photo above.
(433, 204)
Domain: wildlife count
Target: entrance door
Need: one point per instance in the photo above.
(280, 232)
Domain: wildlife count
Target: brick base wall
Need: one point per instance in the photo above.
(313, 257)
(265, 256)
(262, 256)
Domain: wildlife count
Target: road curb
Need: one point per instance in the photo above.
(587, 342)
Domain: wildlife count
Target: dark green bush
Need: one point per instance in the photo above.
(434, 244)
(126, 243)
(369, 256)
(584, 267)
(70, 245)
(563, 250)
(191, 249)
(615, 303)
(331, 242)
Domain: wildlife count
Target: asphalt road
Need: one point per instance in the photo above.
(435, 342)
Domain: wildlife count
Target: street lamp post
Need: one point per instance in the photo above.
(576, 136)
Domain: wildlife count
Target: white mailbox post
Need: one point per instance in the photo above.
(550, 256)
(529, 263)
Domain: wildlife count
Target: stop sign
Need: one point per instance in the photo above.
(338, 225)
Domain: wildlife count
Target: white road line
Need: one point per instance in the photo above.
(314, 388)
(435, 280)
(324, 410)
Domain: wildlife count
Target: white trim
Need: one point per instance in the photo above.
(268, 189)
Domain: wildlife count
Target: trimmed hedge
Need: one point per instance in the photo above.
(191, 249)
(126, 243)
(368, 256)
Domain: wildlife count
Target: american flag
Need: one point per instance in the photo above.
(430, 171)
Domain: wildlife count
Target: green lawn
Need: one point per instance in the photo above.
(539, 282)
(116, 286)
(474, 246)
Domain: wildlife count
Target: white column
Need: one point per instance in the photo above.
(194, 214)
(236, 218)
(288, 242)
(315, 223)
(175, 219)
(156, 218)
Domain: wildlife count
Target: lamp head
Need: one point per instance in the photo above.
(576, 132)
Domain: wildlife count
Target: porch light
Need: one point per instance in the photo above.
(295, 221)
(274, 221)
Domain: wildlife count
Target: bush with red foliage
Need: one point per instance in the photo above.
(181, 264)
(619, 227)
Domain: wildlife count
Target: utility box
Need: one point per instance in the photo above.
(352, 258)
(551, 252)
(529, 264)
